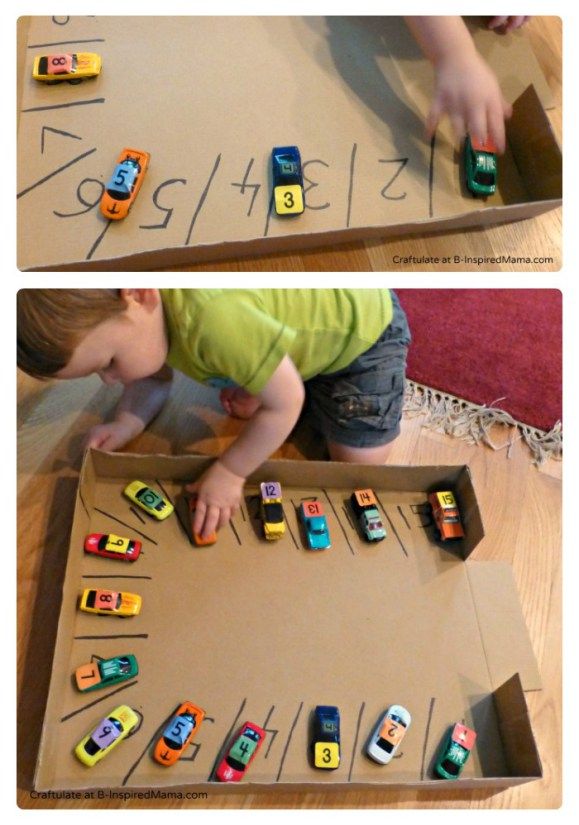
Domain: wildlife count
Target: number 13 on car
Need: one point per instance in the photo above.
(288, 184)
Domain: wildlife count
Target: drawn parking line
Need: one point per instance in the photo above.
(352, 551)
(354, 747)
(288, 741)
(97, 701)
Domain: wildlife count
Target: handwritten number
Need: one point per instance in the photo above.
(245, 185)
(313, 184)
(167, 209)
(90, 204)
(402, 162)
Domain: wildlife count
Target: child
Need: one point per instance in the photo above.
(347, 347)
(466, 87)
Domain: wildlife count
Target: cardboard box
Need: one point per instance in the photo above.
(352, 93)
(264, 631)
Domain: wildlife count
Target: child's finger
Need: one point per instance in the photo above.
(212, 514)
(458, 125)
(433, 117)
(200, 510)
(497, 22)
(496, 127)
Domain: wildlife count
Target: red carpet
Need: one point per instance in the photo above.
(482, 345)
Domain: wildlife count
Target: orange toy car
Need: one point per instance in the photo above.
(199, 541)
(178, 733)
(124, 184)
(446, 515)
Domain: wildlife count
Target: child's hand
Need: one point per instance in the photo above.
(219, 493)
(507, 23)
(112, 436)
(469, 93)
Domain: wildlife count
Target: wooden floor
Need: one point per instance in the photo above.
(520, 504)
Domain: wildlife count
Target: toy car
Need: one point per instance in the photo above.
(124, 184)
(106, 672)
(56, 68)
(388, 734)
(326, 737)
(178, 733)
(271, 510)
(288, 184)
(110, 602)
(480, 165)
(199, 540)
(112, 547)
(365, 508)
(149, 500)
(241, 753)
(455, 751)
(315, 525)
(446, 516)
(108, 733)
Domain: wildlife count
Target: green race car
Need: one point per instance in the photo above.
(455, 752)
(480, 164)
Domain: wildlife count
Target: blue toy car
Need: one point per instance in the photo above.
(326, 737)
(288, 183)
(315, 525)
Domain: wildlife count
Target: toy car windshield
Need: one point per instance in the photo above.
(287, 168)
(91, 599)
(484, 178)
(123, 180)
(176, 734)
(273, 513)
(150, 498)
(450, 767)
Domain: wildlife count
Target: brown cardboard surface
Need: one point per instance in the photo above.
(351, 92)
(256, 631)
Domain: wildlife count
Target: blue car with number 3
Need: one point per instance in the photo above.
(288, 184)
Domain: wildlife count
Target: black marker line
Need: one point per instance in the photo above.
(64, 105)
(66, 42)
(56, 132)
(431, 177)
(390, 522)
(56, 172)
(139, 515)
(124, 523)
(287, 744)
(360, 714)
(202, 198)
(268, 216)
(227, 738)
(346, 512)
(273, 731)
(401, 511)
(426, 735)
(135, 764)
(97, 701)
(116, 636)
(115, 576)
(242, 511)
(97, 242)
(291, 532)
(235, 533)
(352, 551)
(351, 184)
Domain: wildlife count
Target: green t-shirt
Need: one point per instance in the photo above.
(243, 334)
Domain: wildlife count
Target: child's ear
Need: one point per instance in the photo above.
(145, 298)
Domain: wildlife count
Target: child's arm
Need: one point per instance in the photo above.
(466, 88)
(140, 402)
(220, 488)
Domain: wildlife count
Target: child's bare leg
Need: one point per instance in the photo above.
(238, 403)
(359, 455)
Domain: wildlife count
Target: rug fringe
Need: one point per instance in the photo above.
(473, 423)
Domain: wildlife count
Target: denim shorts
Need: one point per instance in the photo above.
(361, 405)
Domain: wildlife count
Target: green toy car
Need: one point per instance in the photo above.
(106, 672)
(480, 165)
(455, 752)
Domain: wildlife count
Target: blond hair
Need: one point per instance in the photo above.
(52, 322)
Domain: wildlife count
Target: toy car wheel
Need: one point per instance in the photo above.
(74, 81)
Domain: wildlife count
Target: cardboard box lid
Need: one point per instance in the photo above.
(351, 92)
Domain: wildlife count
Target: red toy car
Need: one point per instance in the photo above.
(241, 753)
(112, 547)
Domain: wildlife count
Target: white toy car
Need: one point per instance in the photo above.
(388, 734)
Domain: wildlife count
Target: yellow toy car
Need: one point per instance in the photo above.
(149, 500)
(110, 602)
(108, 733)
(55, 68)
(272, 510)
